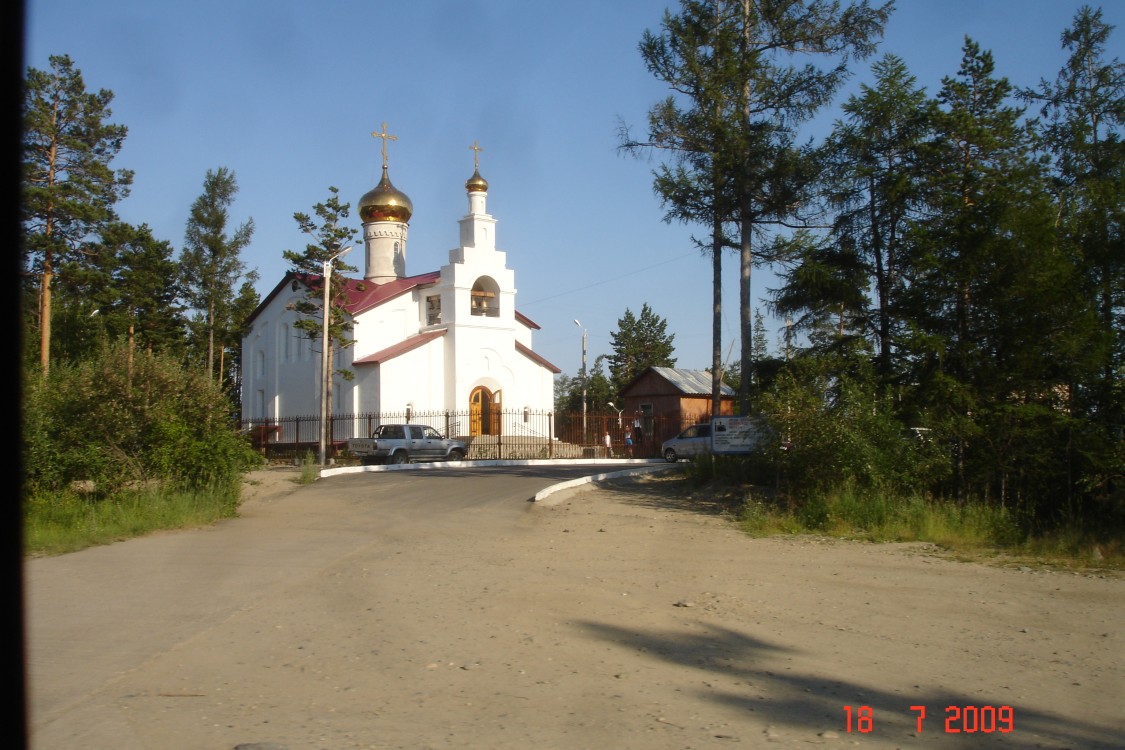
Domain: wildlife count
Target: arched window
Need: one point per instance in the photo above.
(485, 298)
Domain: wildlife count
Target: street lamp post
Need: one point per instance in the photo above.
(583, 379)
(614, 407)
(327, 279)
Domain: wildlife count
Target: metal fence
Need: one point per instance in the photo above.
(498, 434)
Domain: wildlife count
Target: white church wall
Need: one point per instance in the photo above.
(439, 376)
(523, 335)
(415, 377)
(388, 324)
(522, 382)
(535, 383)
(285, 378)
(364, 389)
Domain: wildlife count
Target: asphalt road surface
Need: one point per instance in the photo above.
(95, 615)
(442, 609)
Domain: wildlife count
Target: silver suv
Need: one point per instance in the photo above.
(403, 443)
(693, 441)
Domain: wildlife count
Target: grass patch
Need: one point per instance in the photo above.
(67, 522)
(310, 470)
(970, 529)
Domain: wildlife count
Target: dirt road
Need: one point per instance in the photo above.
(615, 617)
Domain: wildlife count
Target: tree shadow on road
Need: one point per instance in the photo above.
(773, 692)
(671, 492)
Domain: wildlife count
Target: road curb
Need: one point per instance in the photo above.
(635, 467)
(543, 495)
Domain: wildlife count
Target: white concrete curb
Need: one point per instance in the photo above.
(542, 495)
(636, 466)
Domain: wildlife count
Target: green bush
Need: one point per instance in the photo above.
(119, 424)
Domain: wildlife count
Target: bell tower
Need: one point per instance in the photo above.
(478, 229)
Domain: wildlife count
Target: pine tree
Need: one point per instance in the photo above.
(331, 236)
(69, 189)
(210, 265)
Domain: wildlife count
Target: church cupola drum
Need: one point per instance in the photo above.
(385, 212)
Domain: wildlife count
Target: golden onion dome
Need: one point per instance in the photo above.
(385, 202)
(476, 183)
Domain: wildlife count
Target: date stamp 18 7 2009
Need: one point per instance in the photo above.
(958, 719)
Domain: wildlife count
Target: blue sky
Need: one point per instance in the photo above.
(287, 93)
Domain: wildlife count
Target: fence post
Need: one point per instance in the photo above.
(296, 438)
(550, 434)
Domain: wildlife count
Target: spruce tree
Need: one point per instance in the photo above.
(874, 155)
(638, 343)
(145, 286)
(1083, 124)
(987, 343)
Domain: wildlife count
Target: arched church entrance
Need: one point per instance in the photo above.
(484, 411)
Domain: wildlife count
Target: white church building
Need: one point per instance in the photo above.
(448, 341)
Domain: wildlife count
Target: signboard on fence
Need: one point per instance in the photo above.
(735, 434)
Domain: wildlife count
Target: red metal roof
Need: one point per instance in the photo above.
(521, 318)
(364, 295)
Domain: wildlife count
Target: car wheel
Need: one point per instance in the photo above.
(400, 457)
(456, 455)
(670, 455)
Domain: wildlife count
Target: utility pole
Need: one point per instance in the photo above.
(324, 351)
(583, 379)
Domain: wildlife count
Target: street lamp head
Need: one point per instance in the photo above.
(612, 404)
(577, 323)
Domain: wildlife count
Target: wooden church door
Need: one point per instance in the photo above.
(484, 412)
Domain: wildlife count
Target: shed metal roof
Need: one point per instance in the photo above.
(691, 382)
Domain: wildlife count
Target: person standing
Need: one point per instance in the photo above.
(608, 445)
(628, 443)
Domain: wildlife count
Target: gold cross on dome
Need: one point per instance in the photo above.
(476, 154)
(386, 137)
